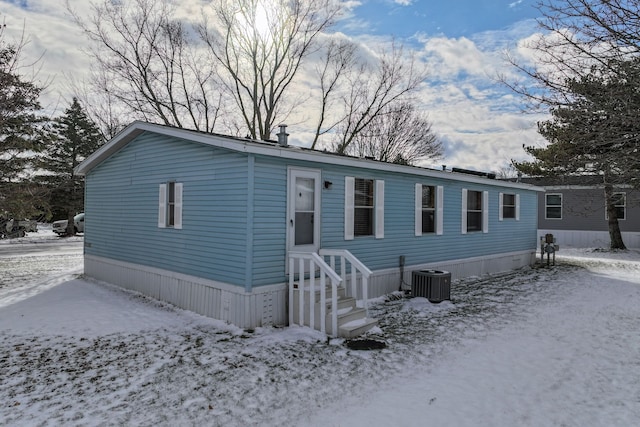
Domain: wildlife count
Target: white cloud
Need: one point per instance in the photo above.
(54, 38)
(478, 119)
(446, 56)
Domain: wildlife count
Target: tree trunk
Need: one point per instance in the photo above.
(614, 226)
(70, 225)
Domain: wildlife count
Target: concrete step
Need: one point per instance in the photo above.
(356, 327)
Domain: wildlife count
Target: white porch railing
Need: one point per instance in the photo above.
(308, 276)
(356, 267)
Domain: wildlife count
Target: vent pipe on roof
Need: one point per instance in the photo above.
(283, 139)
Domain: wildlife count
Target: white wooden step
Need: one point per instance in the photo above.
(343, 303)
(346, 315)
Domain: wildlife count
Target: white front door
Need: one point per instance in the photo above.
(303, 210)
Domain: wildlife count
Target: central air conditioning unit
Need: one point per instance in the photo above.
(435, 285)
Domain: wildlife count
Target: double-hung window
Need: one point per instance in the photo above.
(170, 205)
(364, 208)
(475, 211)
(620, 204)
(509, 206)
(553, 206)
(428, 212)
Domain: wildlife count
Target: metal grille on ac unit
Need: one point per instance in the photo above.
(435, 285)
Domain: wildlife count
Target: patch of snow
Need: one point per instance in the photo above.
(540, 346)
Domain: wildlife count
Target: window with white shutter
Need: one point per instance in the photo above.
(428, 209)
(170, 205)
(364, 208)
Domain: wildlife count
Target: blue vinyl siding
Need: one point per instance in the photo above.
(122, 212)
(270, 206)
(122, 208)
(504, 236)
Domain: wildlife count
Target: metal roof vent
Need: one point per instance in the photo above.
(283, 136)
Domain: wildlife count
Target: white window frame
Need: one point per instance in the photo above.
(623, 206)
(164, 206)
(438, 209)
(485, 211)
(516, 198)
(349, 208)
(547, 206)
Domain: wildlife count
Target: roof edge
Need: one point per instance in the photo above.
(274, 150)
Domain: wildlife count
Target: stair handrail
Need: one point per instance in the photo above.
(325, 271)
(356, 266)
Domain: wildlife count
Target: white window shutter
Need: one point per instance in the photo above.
(349, 188)
(178, 206)
(379, 206)
(517, 207)
(464, 211)
(500, 207)
(418, 210)
(485, 211)
(439, 209)
(162, 206)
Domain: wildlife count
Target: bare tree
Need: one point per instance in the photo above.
(100, 105)
(373, 89)
(338, 60)
(398, 135)
(261, 45)
(252, 53)
(577, 36)
(146, 61)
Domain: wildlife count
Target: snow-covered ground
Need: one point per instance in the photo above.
(553, 346)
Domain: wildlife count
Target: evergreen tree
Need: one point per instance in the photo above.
(598, 132)
(20, 134)
(74, 137)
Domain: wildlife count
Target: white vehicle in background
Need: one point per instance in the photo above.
(60, 227)
(29, 225)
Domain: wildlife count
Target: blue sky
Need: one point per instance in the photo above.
(481, 122)
(462, 42)
(454, 18)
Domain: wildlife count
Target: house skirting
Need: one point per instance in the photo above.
(263, 306)
(590, 239)
(267, 305)
(386, 281)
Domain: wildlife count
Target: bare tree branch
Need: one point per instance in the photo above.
(261, 45)
(398, 135)
(373, 89)
(146, 61)
(338, 60)
(576, 35)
